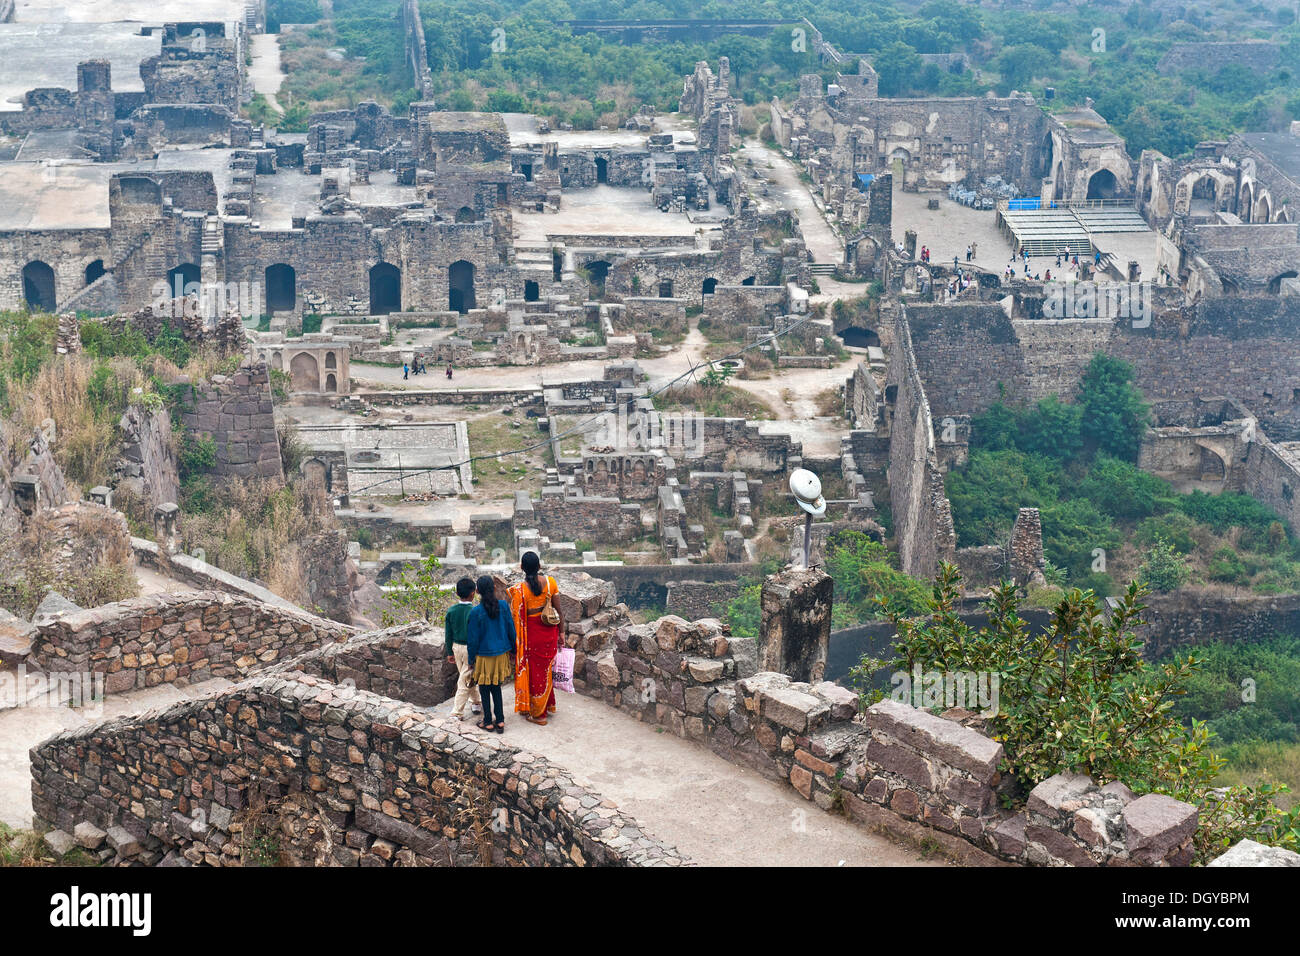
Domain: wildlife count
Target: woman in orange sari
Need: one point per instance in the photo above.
(538, 642)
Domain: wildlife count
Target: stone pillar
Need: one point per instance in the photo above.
(164, 524)
(796, 630)
(1026, 559)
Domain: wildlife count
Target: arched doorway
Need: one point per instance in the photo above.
(749, 280)
(331, 383)
(466, 214)
(385, 289)
(1263, 209)
(1246, 204)
(531, 292)
(602, 169)
(860, 337)
(1275, 284)
(709, 285)
(1212, 465)
(184, 280)
(38, 286)
(281, 288)
(95, 271)
(330, 360)
(597, 273)
(665, 289)
(304, 372)
(1102, 185)
(460, 286)
(1205, 196)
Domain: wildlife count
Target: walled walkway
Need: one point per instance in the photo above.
(265, 73)
(22, 728)
(715, 812)
(787, 191)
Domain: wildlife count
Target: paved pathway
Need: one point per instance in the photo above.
(265, 73)
(713, 811)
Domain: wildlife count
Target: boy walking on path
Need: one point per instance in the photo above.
(455, 638)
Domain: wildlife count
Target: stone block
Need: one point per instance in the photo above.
(944, 740)
(1155, 824)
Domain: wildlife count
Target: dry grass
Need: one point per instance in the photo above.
(78, 408)
(255, 532)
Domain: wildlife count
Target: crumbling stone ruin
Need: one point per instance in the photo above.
(591, 295)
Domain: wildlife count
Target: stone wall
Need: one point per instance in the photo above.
(147, 465)
(178, 638)
(922, 515)
(970, 356)
(308, 771)
(237, 413)
(900, 769)
(406, 662)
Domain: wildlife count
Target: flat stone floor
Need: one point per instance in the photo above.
(146, 11)
(265, 73)
(604, 210)
(713, 811)
(22, 728)
(46, 54)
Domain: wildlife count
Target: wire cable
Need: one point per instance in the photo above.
(599, 416)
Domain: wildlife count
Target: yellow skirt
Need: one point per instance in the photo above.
(492, 670)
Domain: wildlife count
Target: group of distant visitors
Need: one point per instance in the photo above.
(417, 367)
(524, 629)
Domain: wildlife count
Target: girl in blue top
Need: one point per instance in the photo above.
(490, 640)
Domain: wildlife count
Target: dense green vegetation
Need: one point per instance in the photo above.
(1079, 696)
(531, 62)
(862, 571)
(1103, 519)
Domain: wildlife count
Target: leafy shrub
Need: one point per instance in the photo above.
(1078, 696)
(1163, 568)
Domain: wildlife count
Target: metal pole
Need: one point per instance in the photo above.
(807, 539)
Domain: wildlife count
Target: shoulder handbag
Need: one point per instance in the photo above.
(550, 616)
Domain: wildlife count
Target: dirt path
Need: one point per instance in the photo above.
(21, 728)
(787, 191)
(716, 813)
(265, 72)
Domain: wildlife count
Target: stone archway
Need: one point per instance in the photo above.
(531, 291)
(460, 286)
(860, 337)
(385, 289)
(304, 371)
(602, 169)
(1102, 185)
(95, 271)
(466, 214)
(1263, 208)
(38, 286)
(281, 288)
(331, 383)
(1246, 202)
(183, 280)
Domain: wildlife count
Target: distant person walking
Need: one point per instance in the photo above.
(540, 626)
(406, 371)
(490, 640)
(449, 371)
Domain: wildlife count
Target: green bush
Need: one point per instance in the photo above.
(1163, 568)
(1080, 697)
